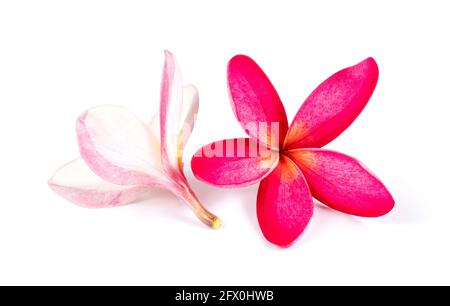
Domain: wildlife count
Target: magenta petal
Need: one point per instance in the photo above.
(343, 183)
(284, 204)
(255, 101)
(233, 162)
(333, 106)
(78, 184)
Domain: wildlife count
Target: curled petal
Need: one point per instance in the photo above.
(171, 107)
(343, 183)
(78, 184)
(233, 162)
(255, 101)
(188, 116)
(155, 127)
(333, 106)
(284, 204)
(118, 147)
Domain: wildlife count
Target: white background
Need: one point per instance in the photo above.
(58, 58)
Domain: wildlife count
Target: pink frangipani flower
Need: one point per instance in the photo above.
(289, 160)
(122, 158)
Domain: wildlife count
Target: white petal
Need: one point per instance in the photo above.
(78, 184)
(170, 115)
(188, 114)
(187, 119)
(119, 147)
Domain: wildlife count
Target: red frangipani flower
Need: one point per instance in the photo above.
(289, 160)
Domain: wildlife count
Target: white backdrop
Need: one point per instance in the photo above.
(58, 58)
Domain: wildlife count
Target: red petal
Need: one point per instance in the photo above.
(343, 183)
(333, 106)
(233, 162)
(284, 204)
(255, 101)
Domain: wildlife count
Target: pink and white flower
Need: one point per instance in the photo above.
(122, 157)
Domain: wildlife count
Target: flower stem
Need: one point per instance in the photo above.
(199, 210)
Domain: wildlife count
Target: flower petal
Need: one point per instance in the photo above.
(333, 106)
(343, 183)
(284, 204)
(255, 101)
(171, 107)
(188, 116)
(78, 184)
(118, 147)
(233, 162)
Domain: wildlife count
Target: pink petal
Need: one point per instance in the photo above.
(233, 162)
(284, 204)
(118, 147)
(255, 101)
(343, 183)
(188, 116)
(170, 115)
(78, 184)
(333, 106)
